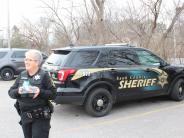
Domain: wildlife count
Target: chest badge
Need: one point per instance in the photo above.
(37, 77)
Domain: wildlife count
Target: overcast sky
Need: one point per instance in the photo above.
(19, 9)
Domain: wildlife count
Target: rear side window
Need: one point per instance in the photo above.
(57, 58)
(2, 54)
(18, 54)
(84, 58)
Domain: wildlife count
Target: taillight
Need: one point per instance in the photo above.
(64, 73)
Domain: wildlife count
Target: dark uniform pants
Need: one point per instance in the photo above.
(39, 128)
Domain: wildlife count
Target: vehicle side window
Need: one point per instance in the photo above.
(84, 58)
(119, 58)
(147, 58)
(102, 60)
(18, 54)
(2, 54)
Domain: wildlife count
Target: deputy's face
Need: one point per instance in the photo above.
(30, 62)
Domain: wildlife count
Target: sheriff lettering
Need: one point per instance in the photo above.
(135, 83)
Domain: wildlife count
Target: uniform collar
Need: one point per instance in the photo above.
(34, 74)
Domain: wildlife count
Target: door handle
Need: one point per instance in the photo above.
(112, 69)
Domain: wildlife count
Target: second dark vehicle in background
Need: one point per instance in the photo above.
(12, 62)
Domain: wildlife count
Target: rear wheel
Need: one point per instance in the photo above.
(177, 93)
(7, 74)
(99, 102)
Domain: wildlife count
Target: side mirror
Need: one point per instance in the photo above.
(163, 63)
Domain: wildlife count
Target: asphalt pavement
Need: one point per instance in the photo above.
(149, 118)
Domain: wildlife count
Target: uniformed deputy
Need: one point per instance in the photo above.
(33, 90)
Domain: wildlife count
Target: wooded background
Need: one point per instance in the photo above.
(149, 24)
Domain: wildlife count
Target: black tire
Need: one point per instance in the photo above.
(99, 102)
(177, 93)
(7, 74)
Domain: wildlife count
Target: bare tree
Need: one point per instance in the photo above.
(178, 12)
(145, 25)
(98, 6)
(37, 34)
(93, 24)
(66, 29)
(154, 7)
(143, 20)
(17, 39)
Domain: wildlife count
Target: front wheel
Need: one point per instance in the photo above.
(177, 93)
(99, 102)
(7, 74)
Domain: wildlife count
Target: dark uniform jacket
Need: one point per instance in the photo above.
(42, 80)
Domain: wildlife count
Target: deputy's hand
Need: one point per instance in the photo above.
(20, 90)
(36, 92)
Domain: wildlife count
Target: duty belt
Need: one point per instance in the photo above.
(43, 112)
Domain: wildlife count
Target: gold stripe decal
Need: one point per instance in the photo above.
(87, 72)
(162, 75)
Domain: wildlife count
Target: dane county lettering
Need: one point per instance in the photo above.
(135, 82)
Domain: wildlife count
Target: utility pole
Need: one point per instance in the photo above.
(8, 20)
(1, 39)
(174, 33)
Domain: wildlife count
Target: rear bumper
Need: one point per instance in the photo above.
(69, 96)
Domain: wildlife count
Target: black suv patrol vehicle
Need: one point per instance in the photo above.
(99, 76)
